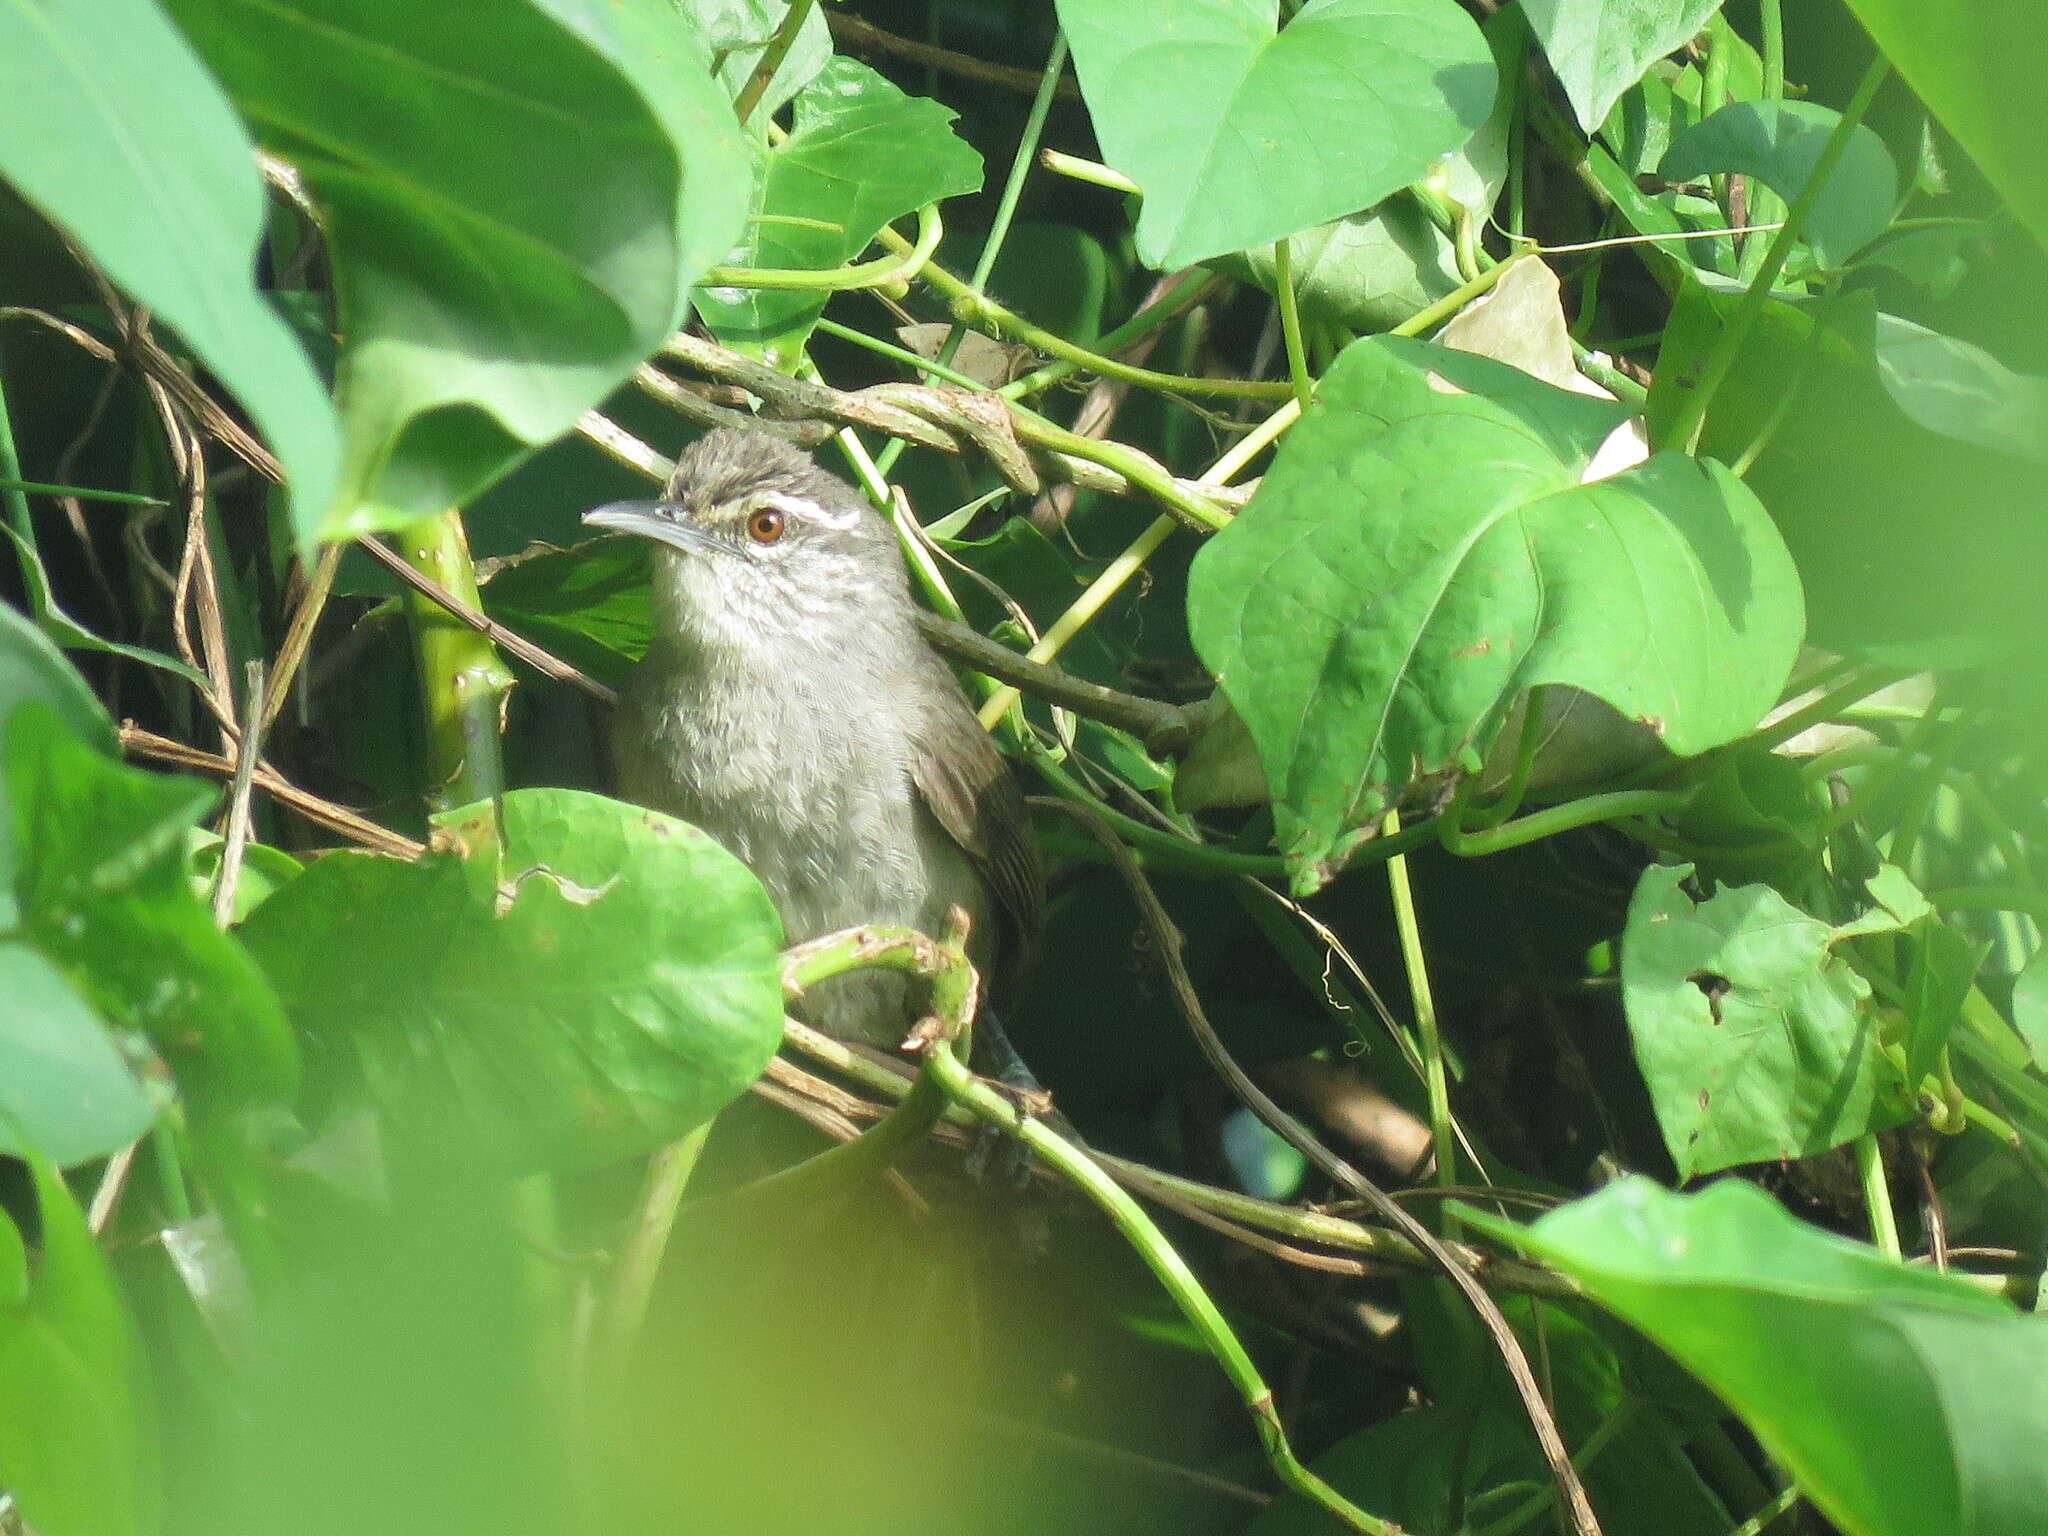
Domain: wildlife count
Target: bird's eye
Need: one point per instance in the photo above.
(766, 526)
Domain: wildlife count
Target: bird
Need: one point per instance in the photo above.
(789, 706)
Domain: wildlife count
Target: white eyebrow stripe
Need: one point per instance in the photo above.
(798, 506)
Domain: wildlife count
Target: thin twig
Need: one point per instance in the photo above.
(856, 36)
(322, 813)
(541, 661)
(235, 843)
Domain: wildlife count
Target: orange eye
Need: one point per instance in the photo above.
(765, 526)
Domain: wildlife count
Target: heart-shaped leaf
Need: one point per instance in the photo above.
(1902, 1400)
(1599, 48)
(111, 127)
(516, 194)
(1241, 134)
(1416, 558)
(860, 154)
(1756, 1040)
(598, 985)
(1779, 143)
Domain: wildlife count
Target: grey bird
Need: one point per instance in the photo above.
(789, 707)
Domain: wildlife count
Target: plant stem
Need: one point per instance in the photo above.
(1683, 431)
(1560, 818)
(1290, 324)
(654, 1217)
(1757, 1523)
(771, 60)
(81, 492)
(1168, 1267)
(1877, 1195)
(1112, 578)
(1436, 1086)
(1093, 172)
(883, 272)
(463, 681)
(1161, 311)
(13, 489)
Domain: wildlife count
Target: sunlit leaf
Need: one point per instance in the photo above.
(1416, 559)
(1241, 135)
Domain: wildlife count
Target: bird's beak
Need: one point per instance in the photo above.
(654, 520)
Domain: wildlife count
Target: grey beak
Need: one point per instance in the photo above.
(653, 520)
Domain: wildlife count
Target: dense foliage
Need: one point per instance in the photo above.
(1524, 520)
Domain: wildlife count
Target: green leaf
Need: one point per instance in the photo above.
(604, 983)
(263, 870)
(736, 31)
(1368, 272)
(1903, 1401)
(1974, 62)
(516, 196)
(31, 667)
(113, 129)
(99, 882)
(1779, 143)
(1939, 977)
(1241, 135)
(2030, 1006)
(1599, 48)
(65, 1092)
(1415, 559)
(1961, 391)
(67, 631)
(1755, 1039)
(1901, 536)
(591, 605)
(74, 1449)
(860, 154)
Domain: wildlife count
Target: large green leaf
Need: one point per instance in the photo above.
(1903, 1401)
(1415, 559)
(1599, 48)
(517, 194)
(596, 986)
(1756, 1040)
(111, 127)
(74, 1449)
(1976, 63)
(100, 892)
(31, 667)
(860, 154)
(1779, 143)
(1241, 135)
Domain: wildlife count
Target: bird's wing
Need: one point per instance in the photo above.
(967, 787)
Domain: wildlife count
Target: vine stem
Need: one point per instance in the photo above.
(1167, 1266)
(463, 681)
(1877, 1196)
(1290, 324)
(1684, 429)
(1436, 1085)
(771, 59)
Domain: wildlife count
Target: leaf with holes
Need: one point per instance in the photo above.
(1241, 132)
(1417, 558)
(602, 983)
(1756, 1040)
